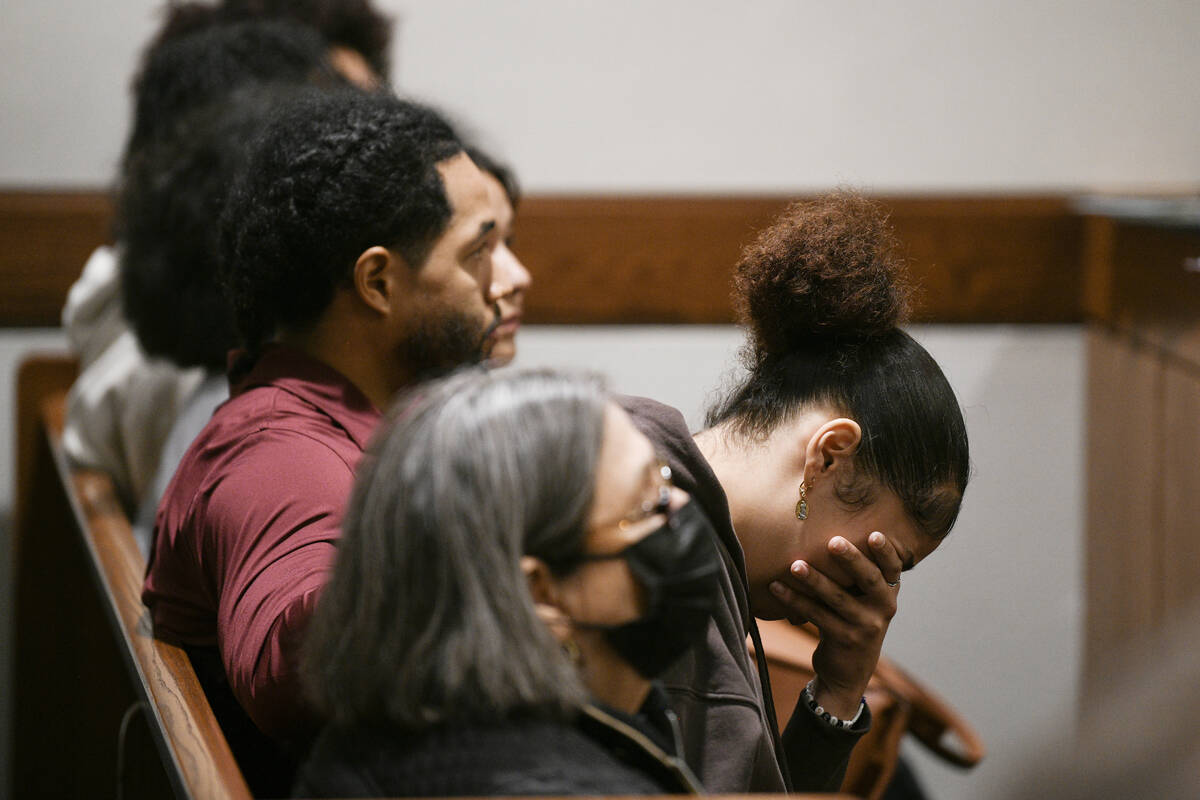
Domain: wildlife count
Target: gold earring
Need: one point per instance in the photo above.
(802, 504)
(571, 651)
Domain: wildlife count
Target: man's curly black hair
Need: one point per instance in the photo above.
(188, 72)
(334, 174)
(167, 213)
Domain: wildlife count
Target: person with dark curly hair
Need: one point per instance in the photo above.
(190, 71)
(124, 403)
(309, 204)
(358, 35)
(837, 462)
(357, 254)
(202, 99)
(167, 212)
(131, 386)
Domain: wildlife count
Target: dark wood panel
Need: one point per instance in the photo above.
(993, 259)
(1181, 489)
(636, 259)
(1123, 553)
(45, 237)
(1154, 286)
(668, 259)
(1099, 235)
(657, 259)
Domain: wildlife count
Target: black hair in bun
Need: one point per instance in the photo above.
(824, 271)
(822, 294)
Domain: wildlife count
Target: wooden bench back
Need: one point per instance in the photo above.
(101, 707)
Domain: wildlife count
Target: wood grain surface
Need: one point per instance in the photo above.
(653, 259)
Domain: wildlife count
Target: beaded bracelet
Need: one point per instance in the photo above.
(840, 724)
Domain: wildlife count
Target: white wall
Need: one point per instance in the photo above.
(772, 95)
(779, 94)
(698, 95)
(994, 621)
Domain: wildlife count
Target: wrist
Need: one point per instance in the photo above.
(841, 723)
(839, 702)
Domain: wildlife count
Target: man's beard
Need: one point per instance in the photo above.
(444, 341)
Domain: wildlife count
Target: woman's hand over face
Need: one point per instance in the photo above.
(852, 618)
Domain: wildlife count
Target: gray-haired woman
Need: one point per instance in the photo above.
(514, 569)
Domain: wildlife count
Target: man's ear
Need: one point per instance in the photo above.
(379, 277)
(831, 447)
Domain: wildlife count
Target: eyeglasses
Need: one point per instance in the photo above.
(659, 505)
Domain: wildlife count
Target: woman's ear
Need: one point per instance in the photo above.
(544, 591)
(377, 278)
(541, 582)
(831, 446)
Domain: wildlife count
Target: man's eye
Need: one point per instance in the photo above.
(479, 256)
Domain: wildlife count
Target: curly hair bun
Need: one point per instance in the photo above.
(825, 271)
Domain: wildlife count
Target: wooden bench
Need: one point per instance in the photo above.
(102, 709)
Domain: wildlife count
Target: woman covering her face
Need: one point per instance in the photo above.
(838, 461)
(515, 568)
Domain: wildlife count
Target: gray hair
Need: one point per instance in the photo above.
(428, 617)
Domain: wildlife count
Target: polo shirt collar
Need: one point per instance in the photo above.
(317, 383)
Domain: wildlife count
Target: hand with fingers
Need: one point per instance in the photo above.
(851, 603)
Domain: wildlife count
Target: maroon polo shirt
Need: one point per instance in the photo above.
(245, 534)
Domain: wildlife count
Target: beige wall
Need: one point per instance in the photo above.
(702, 95)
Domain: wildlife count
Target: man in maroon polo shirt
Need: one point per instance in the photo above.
(357, 251)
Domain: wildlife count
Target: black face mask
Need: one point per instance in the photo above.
(678, 568)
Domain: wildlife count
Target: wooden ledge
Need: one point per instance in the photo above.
(605, 259)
